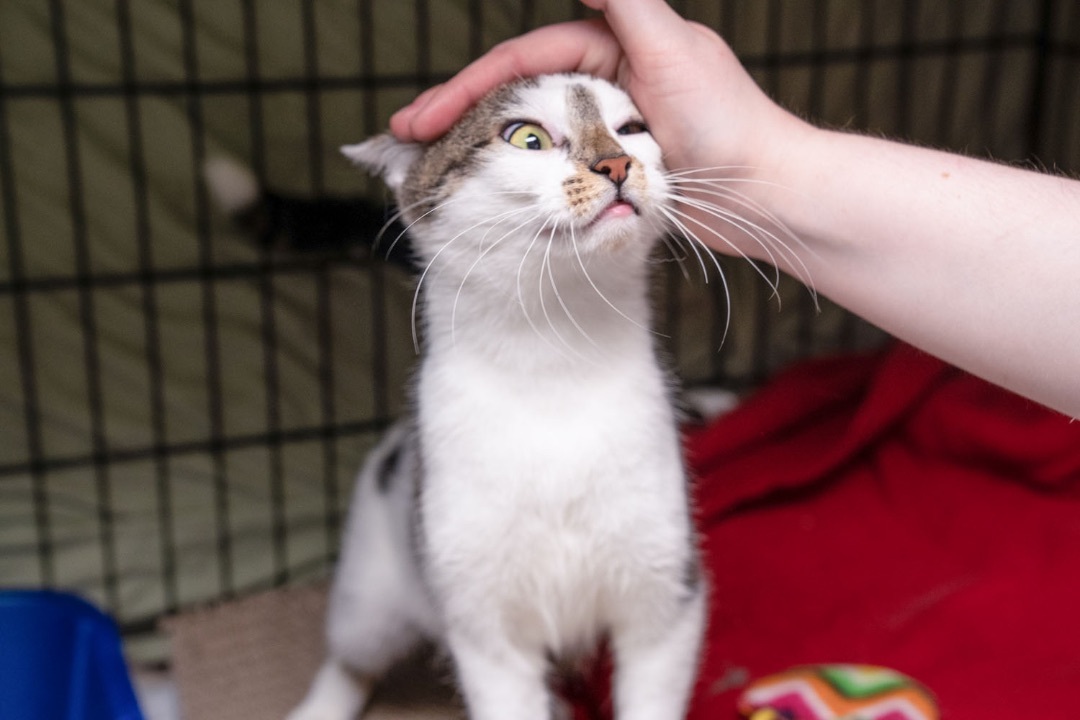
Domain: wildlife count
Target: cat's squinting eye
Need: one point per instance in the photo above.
(633, 127)
(527, 136)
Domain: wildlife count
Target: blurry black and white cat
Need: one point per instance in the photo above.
(284, 222)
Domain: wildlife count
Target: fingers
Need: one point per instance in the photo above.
(418, 104)
(643, 27)
(583, 46)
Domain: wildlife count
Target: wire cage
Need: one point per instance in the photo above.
(183, 411)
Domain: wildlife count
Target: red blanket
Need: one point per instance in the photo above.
(893, 510)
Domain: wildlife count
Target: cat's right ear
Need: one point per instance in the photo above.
(384, 156)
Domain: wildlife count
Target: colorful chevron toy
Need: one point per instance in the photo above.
(837, 692)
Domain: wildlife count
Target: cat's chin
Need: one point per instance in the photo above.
(617, 212)
(614, 228)
(617, 219)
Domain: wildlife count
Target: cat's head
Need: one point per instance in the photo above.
(563, 158)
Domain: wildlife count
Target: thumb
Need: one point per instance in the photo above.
(643, 27)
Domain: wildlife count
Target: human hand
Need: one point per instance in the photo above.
(700, 103)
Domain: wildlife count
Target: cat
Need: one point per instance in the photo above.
(283, 222)
(535, 503)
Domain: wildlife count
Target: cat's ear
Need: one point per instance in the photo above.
(384, 156)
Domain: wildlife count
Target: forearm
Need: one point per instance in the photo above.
(971, 261)
(975, 262)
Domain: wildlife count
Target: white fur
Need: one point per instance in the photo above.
(384, 156)
(553, 504)
(234, 186)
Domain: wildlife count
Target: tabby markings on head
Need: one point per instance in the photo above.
(453, 157)
(598, 157)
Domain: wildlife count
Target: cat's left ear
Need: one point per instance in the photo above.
(384, 156)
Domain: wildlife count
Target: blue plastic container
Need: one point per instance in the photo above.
(60, 659)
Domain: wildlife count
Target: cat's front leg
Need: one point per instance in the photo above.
(656, 661)
(500, 681)
(336, 694)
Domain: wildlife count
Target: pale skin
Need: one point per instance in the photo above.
(975, 262)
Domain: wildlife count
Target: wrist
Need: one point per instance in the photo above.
(790, 168)
(778, 179)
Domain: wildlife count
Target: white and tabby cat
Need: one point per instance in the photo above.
(536, 501)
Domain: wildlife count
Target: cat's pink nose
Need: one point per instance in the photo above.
(616, 168)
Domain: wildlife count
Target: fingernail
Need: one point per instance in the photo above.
(403, 121)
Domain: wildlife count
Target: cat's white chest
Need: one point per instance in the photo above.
(545, 501)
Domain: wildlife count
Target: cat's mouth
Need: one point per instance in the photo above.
(617, 209)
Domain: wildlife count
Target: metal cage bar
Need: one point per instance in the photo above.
(216, 487)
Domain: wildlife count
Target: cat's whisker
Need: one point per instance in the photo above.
(558, 296)
(406, 229)
(766, 240)
(483, 238)
(721, 188)
(681, 181)
(723, 191)
(732, 219)
(691, 171)
(545, 272)
(479, 259)
(662, 230)
(521, 297)
(694, 240)
(394, 217)
(693, 243)
(494, 222)
(719, 181)
(676, 255)
(401, 210)
(686, 179)
(738, 222)
(600, 294)
(802, 272)
(431, 264)
(773, 284)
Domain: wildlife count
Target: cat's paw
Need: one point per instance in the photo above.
(320, 711)
(335, 695)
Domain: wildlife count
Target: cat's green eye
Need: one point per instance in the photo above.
(633, 127)
(527, 136)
